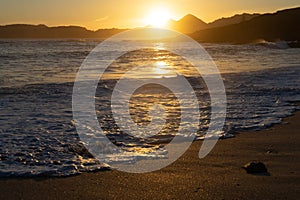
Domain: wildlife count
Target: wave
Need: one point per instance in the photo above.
(38, 137)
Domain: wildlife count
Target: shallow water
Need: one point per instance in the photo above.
(37, 131)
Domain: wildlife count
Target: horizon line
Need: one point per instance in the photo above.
(128, 28)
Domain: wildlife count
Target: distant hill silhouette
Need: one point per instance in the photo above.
(243, 28)
(43, 31)
(190, 23)
(282, 25)
(232, 20)
(187, 24)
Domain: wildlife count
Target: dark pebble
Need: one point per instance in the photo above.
(255, 168)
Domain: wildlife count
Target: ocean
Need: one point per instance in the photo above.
(37, 132)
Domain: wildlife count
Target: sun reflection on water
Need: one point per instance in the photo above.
(149, 63)
(162, 69)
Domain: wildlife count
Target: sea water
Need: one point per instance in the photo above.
(37, 132)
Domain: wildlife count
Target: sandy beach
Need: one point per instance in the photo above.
(87, 93)
(217, 176)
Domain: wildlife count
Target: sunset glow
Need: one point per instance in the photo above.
(158, 18)
(95, 14)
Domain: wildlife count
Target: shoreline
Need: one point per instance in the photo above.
(217, 176)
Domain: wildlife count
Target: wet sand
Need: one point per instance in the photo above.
(217, 176)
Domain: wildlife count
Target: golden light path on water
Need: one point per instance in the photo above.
(158, 69)
(161, 68)
(149, 63)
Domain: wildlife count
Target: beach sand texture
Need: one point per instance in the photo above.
(217, 176)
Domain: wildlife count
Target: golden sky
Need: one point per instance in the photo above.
(95, 14)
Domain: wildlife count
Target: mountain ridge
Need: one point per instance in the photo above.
(42, 31)
(235, 19)
(240, 28)
(281, 25)
(187, 24)
(190, 23)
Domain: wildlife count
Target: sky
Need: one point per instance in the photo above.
(95, 14)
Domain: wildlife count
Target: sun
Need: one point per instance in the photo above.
(158, 18)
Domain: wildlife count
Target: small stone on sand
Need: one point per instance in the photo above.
(255, 168)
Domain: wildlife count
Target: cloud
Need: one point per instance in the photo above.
(101, 19)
